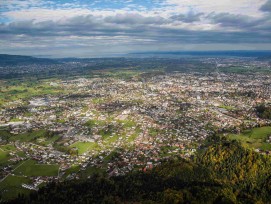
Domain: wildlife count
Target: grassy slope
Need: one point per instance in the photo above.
(255, 138)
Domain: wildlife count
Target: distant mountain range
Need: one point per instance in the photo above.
(230, 53)
(11, 60)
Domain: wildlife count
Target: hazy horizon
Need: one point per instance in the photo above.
(166, 54)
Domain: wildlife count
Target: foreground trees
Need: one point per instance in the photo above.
(224, 172)
(264, 111)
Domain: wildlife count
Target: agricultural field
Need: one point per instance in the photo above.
(29, 136)
(83, 147)
(7, 147)
(32, 168)
(21, 90)
(255, 138)
(11, 186)
(3, 156)
(7, 152)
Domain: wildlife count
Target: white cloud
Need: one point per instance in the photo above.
(40, 14)
(178, 24)
(245, 7)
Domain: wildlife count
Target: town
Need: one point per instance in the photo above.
(114, 125)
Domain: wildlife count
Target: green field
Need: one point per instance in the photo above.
(31, 168)
(15, 90)
(3, 156)
(84, 146)
(255, 138)
(5, 151)
(71, 170)
(109, 140)
(8, 147)
(29, 136)
(228, 108)
(11, 186)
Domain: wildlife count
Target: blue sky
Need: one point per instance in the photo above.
(84, 28)
(96, 4)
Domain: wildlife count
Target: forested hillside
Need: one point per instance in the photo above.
(12, 60)
(224, 172)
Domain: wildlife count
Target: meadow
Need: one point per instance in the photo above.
(32, 168)
(83, 147)
(254, 138)
(11, 186)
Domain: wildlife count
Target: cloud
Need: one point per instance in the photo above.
(266, 7)
(234, 20)
(245, 7)
(152, 28)
(135, 18)
(190, 17)
(171, 24)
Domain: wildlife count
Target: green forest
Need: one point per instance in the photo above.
(221, 172)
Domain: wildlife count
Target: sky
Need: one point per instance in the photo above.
(100, 28)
